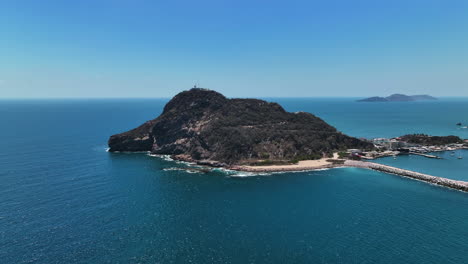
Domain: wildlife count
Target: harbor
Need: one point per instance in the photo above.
(425, 155)
(385, 147)
(394, 147)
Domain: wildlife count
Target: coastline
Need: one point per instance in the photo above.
(283, 168)
(335, 162)
(303, 165)
(435, 180)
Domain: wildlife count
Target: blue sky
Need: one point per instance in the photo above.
(242, 48)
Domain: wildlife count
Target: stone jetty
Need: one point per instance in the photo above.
(425, 155)
(453, 184)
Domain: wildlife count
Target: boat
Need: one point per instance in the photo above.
(460, 157)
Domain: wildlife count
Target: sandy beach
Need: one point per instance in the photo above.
(300, 166)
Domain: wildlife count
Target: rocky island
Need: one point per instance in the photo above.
(399, 98)
(205, 127)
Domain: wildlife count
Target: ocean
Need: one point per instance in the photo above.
(64, 199)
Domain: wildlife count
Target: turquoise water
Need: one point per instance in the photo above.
(391, 119)
(63, 199)
(449, 166)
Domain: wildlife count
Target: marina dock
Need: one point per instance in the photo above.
(425, 155)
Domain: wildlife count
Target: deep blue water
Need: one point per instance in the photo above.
(63, 199)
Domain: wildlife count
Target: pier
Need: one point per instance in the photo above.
(425, 155)
(453, 184)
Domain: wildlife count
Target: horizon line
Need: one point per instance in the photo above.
(247, 97)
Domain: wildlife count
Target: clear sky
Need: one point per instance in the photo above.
(242, 48)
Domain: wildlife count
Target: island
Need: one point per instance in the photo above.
(399, 98)
(205, 127)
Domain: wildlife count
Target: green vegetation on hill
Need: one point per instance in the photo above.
(423, 139)
(201, 124)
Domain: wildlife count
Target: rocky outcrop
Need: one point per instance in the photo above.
(453, 184)
(138, 139)
(204, 126)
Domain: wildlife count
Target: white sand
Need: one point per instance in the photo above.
(301, 165)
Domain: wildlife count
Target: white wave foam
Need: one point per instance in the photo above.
(240, 174)
(168, 158)
(171, 169)
(324, 169)
(164, 157)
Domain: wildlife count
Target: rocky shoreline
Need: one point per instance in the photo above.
(440, 181)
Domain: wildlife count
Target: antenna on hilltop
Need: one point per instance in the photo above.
(196, 85)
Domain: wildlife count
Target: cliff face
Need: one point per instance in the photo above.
(201, 124)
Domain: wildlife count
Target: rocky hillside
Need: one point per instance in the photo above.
(203, 125)
(426, 140)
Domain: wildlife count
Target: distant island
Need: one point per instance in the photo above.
(399, 98)
(205, 127)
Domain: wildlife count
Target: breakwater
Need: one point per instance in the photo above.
(425, 155)
(457, 185)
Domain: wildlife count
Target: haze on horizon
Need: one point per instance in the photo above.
(138, 48)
